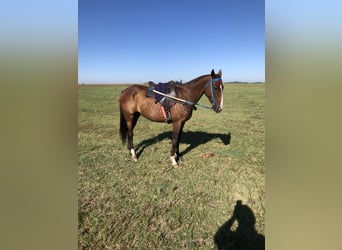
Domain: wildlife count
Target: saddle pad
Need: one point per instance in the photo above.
(161, 87)
(167, 88)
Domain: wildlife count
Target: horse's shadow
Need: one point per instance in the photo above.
(193, 139)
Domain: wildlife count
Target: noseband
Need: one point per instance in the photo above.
(211, 89)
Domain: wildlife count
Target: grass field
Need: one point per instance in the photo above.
(150, 205)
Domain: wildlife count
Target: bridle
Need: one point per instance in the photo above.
(210, 84)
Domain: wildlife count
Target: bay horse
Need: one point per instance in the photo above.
(133, 103)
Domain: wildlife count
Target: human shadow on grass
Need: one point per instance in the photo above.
(194, 139)
(245, 237)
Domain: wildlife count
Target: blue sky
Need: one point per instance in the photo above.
(132, 41)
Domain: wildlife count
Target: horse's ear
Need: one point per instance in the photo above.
(212, 73)
(219, 73)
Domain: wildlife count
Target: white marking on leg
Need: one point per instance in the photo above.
(173, 162)
(133, 155)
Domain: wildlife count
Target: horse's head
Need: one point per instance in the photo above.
(214, 91)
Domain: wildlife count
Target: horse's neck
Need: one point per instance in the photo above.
(193, 90)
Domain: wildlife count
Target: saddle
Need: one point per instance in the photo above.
(166, 88)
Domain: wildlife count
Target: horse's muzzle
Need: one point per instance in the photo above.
(217, 108)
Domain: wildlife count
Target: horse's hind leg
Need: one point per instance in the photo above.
(130, 126)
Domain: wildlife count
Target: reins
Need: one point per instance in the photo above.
(192, 104)
(173, 97)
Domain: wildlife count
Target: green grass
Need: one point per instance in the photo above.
(150, 205)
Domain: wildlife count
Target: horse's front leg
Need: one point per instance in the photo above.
(176, 133)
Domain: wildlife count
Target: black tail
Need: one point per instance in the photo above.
(123, 127)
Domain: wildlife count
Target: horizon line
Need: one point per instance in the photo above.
(141, 83)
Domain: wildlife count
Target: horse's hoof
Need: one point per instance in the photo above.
(133, 155)
(174, 162)
(175, 165)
